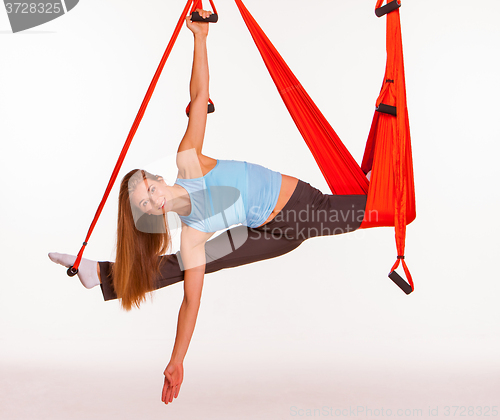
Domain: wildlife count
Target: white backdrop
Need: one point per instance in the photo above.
(321, 326)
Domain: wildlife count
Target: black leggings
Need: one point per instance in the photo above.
(308, 213)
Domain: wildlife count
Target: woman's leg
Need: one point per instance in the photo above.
(235, 247)
(307, 214)
(311, 213)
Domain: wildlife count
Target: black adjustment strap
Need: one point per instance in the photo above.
(387, 109)
(400, 282)
(388, 8)
(401, 257)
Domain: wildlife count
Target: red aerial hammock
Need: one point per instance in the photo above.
(391, 195)
(391, 192)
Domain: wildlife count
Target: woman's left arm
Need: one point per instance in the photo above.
(199, 87)
(193, 258)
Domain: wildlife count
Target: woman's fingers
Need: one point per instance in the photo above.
(170, 391)
(204, 13)
(170, 394)
(177, 389)
(198, 27)
(167, 387)
(172, 382)
(165, 390)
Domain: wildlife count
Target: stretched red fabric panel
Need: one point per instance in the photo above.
(133, 130)
(342, 173)
(391, 193)
(388, 150)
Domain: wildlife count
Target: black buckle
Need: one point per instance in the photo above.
(387, 109)
(388, 8)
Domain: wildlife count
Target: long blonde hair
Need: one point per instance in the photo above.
(141, 239)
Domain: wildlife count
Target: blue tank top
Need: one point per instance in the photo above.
(233, 192)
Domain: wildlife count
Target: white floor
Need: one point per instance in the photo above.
(119, 379)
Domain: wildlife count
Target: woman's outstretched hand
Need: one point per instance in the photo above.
(198, 28)
(174, 374)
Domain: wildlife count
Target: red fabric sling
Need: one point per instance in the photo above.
(391, 192)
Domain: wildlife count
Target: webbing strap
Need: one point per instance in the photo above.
(197, 4)
(135, 126)
(394, 89)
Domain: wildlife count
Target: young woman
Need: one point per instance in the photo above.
(276, 214)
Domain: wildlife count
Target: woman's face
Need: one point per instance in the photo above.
(152, 196)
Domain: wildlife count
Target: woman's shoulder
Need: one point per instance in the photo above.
(193, 165)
